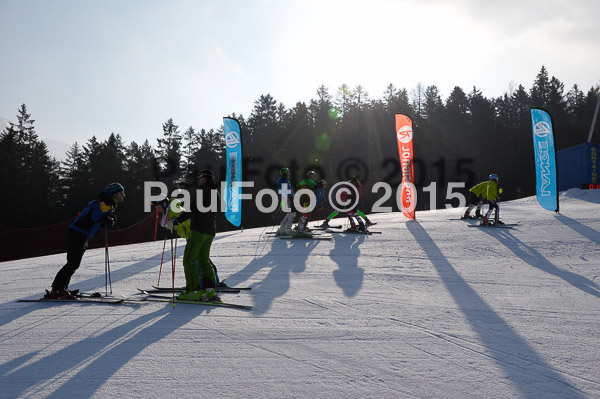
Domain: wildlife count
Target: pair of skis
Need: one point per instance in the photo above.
(80, 298)
(228, 290)
(367, 232)
(310, 236)
(326, 235)
(150, 297)
(501, 225)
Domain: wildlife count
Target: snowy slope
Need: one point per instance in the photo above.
(428, 309)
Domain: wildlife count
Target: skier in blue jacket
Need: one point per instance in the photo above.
(98, 212)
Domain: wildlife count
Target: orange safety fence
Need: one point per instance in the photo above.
(19, 243)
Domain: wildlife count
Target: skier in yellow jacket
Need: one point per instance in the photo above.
(171, 209)
(485, 193)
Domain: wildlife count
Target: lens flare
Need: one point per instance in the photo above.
(334, 112)
(322, 142)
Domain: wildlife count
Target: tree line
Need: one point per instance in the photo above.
(462, 138)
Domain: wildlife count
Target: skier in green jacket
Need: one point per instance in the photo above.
(200, 277)
(485, 193)
(171, 209)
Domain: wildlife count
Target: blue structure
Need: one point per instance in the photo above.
(578, 167)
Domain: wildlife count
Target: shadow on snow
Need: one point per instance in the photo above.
(526, 369)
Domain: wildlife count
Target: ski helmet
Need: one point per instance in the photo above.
(321, 183)
(164, 202)
(311, 174)
(207, 173)
(114, 188)
(494, 176)
(284, 171)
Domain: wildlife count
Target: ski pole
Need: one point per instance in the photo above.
(173, 270)
(107, 279)
(161, 261)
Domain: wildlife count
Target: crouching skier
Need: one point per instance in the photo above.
(353, 213)
(487, 193)
(98, 212)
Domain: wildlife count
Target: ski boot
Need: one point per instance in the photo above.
(362, 228)
(280, 232)
(486, 222)
(221, 284)
(59, 294)
(303, 233)
(466, 215)
(208, 294)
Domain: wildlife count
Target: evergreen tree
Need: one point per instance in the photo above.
(520, 155)
(74, 182)
(92, 157)
(557, 106)
(141, 165)
(418, 101)
(457, 109)
(397, 101)
(345, 97)
(482, 114)
(574, 103)
(263, 126)
(169, 154)
(325, 120)
(540, 92)
(191, 145)
(482, 129)
(28, 170)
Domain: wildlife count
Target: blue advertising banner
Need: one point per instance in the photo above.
(545, 159)
(233, 189)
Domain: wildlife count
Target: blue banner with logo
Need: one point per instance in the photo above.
(233, 189)
(545, 159)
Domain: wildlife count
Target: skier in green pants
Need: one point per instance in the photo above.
(354, 181)
(196, 257)
(171, 209)
(335, 213)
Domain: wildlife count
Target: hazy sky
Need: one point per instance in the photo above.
(94, 67)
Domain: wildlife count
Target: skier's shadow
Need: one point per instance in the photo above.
(349, 276)
(537, 260)
(89, 362)
(284, 258)
(587, 232)
(512, 353)
(90, 284)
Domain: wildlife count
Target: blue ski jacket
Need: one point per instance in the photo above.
(90, 220)
(284, 180)
(321, 196)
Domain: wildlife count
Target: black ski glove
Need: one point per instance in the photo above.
(110, 219)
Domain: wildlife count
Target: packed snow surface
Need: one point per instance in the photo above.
(427, 309)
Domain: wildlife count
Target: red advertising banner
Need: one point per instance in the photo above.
(404, 135)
